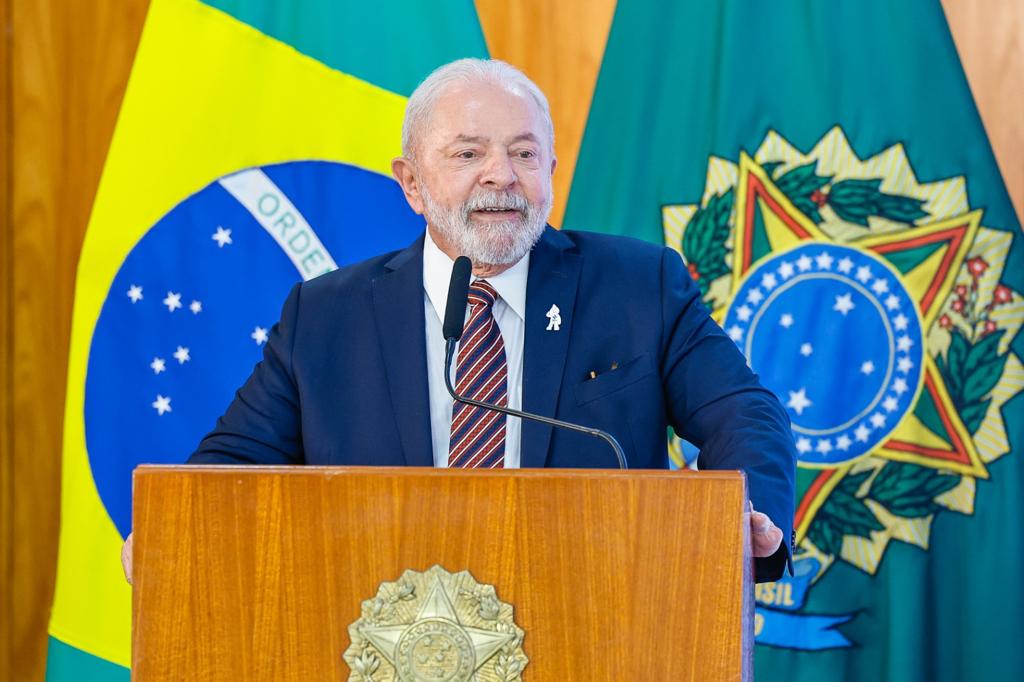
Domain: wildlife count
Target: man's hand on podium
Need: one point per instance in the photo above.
(126, 557)
(765, 536)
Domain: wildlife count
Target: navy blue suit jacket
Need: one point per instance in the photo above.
(343, 379)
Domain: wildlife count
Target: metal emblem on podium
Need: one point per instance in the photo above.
(435, 626)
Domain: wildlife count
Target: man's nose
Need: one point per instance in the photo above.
(499, 172)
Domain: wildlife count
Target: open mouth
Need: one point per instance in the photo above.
(496, 213)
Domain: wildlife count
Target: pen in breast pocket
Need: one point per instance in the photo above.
(594, 373)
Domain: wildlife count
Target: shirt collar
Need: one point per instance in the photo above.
(437, 273)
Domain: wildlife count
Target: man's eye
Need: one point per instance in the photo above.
(467, 154)
(526, 154)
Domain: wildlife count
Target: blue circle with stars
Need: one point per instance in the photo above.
(188, 313)
(832, 331)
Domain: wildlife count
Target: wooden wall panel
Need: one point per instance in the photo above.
(38, 326)
(989, 36)
(6, 347)
(70, 63)
(63, 68)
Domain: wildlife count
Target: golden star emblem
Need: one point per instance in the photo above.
(942, 250)
(927, 260)
(439, 642)
(436, 646)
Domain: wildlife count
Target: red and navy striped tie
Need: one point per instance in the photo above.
(478, 435)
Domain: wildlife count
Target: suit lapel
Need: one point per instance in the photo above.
(398, 312)
(552, 280)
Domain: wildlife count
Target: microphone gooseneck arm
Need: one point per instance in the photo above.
(449, 354)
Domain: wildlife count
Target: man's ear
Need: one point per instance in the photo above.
(404, 171)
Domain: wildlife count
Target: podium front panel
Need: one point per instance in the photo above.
(256, 573)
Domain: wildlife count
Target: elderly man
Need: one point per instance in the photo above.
(602, 331)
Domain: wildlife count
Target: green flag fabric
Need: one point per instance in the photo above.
(823, 170)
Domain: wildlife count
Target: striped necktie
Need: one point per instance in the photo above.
(478, 435)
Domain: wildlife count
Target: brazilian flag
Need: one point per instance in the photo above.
(252, 150)
(822, 169)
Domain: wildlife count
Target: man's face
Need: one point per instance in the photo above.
(482, 173)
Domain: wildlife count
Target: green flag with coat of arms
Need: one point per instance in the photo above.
(822, 169)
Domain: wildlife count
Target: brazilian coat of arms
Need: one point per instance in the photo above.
(873, 305)
(435, 626)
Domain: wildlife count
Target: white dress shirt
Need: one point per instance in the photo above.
(510, 314)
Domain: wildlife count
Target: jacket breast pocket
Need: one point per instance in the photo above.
(613, 380)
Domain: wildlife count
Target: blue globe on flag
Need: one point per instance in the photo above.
(191, 307)
(833, 332)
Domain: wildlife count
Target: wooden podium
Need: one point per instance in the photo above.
(256, 573)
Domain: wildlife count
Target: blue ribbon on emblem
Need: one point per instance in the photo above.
(778, 623)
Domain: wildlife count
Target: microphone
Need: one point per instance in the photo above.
(454, 323)
(458, 297)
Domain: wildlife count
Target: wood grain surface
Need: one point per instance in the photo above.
(67, 69)
(989, 37)
(245, 573)
(7, 546)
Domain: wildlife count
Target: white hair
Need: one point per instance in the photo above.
(421, 102)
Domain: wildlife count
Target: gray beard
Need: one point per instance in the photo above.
(502, 243)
